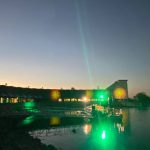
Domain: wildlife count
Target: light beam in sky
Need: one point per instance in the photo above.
(83, 42)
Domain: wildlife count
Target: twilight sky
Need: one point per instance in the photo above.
(75, 43)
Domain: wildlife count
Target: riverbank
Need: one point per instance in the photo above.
(60, 109)
(13, 137)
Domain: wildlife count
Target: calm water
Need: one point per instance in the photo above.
(132, 133)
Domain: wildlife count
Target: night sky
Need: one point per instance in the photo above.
(75, 43)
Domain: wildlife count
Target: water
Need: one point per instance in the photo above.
(131, 133)
(75, 134)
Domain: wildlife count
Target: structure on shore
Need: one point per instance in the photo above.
(10, 94)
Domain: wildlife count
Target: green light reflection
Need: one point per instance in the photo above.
(28, 120)
(30, 107)
(103, 135)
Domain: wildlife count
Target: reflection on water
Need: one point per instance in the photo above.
(87, 128)
(101, 134)
(55, 120)
(74, 133)
(28, 120)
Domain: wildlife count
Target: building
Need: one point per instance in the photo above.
(10, 94)
(118, 90)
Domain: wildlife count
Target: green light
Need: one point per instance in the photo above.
(28, 120)
(29, 106)
(103, 135)
(101, 96)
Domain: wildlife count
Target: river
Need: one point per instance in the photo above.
(132, 133)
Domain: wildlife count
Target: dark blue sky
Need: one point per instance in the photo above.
(75, 43)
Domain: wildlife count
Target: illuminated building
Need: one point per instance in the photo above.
(118, 90)
(10, 94)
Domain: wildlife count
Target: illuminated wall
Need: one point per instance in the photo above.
(118, 90)
(120, 93)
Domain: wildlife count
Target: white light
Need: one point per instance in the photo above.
(85, 99)
(60, 100)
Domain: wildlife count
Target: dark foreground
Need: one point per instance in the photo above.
(14, 137)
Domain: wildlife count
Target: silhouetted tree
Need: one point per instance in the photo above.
(143, 98)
